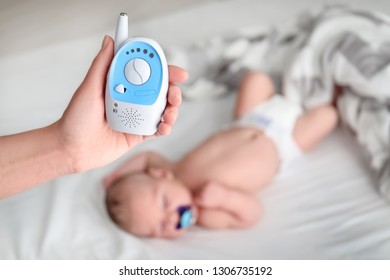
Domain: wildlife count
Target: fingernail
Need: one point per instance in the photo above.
(105, 41)
(187, 75)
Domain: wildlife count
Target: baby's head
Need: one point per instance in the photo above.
(149, 203)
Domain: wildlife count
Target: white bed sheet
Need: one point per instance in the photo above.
(322, 207)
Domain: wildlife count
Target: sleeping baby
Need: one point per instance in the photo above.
(214, 185)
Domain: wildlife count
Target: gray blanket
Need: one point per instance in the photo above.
(306, 59)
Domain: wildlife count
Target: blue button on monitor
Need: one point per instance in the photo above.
(145, 92)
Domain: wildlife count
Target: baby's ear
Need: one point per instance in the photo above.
(160, 173)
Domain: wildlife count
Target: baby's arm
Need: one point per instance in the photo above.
(137, 163)
(220, 207)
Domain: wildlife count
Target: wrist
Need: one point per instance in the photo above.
(212, 196)
(69, 160)
(37, 154)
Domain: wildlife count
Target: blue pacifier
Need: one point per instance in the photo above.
(186, 219)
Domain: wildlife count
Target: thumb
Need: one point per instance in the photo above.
(96, 76)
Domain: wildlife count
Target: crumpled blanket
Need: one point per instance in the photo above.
(306, 59)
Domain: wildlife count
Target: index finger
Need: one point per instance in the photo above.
(177, 74)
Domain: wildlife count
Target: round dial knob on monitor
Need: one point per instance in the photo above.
(137, 71)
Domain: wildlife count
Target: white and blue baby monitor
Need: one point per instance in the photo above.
(137, 83)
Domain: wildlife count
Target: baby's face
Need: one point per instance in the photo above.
(147, 205)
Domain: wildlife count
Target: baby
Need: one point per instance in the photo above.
(214, 184)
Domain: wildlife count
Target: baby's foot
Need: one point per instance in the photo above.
(211, 196)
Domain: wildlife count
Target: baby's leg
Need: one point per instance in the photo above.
(314, 125)
(255, 88)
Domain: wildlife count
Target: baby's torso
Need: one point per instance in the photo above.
(240, 158)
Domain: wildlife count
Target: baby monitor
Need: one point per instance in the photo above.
(137, 83)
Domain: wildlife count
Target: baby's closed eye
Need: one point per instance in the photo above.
(165, 201)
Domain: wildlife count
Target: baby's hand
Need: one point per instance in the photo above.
(211, 196)
(221, 207)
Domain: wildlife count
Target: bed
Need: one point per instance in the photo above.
(323, 207)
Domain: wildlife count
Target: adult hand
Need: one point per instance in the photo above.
(81, 139)
(83, 131)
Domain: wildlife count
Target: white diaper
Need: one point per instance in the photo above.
(276, 118)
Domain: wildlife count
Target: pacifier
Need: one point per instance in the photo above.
(186, 217)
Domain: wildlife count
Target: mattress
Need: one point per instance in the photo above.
(323, 207)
